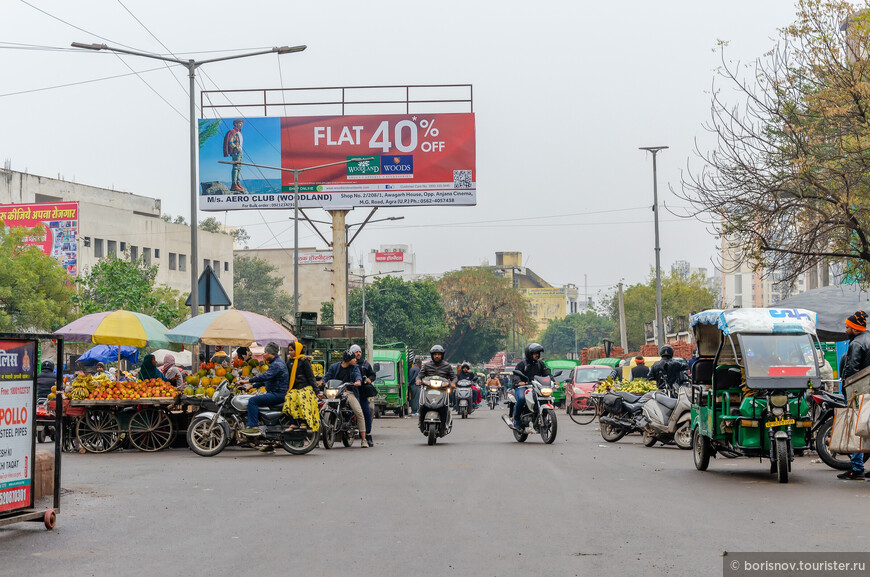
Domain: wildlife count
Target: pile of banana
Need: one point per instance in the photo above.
(636, 386)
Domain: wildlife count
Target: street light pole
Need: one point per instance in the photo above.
(660, 327)
(296, 172)
(191, 66)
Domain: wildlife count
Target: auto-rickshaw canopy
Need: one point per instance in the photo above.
(709, 325)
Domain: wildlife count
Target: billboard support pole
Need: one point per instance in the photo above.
(339, 265)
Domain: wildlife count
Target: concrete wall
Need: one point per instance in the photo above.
(315, 282)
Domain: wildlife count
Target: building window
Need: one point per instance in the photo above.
(98, 248)
(216, 268)
(171, 261)
(156, 253)
(205, 263)
(226, 266)
(146, 255)
(123, 246)
(87, 241)
(134, 252)
(112, 247)
(182, 262)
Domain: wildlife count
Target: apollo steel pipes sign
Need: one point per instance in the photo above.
(17, 411)
(386, 160)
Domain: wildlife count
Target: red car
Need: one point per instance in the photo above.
(583, 381)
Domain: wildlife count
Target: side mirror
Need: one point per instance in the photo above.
(377, 367)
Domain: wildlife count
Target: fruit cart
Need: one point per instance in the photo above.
(149, 423)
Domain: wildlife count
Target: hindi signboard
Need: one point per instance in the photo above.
(389, 257)
(319, 257)
(57, 225)
(17, 413)
(385, 160)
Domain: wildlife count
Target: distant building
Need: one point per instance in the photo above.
(110, 222)
(388, 258)
(546, 301)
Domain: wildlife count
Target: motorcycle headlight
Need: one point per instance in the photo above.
(546, 391)
(436, 384)
(777, 411)
(779, 400)
(331, 393)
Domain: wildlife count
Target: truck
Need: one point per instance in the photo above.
(391, 362)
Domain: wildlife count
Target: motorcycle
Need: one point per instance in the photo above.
(336, 417)
(669, 418)
(45, 421)
(435, 402)
(826, 403)
(211, 431)
(621, 414)
(538, 411)
(464, 398)
(492, 394)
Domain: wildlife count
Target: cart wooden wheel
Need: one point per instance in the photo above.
(50, 519)
(98, 431)
(151, 429)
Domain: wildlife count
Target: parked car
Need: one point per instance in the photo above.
(584, 379)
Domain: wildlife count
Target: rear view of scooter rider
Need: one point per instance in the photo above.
(531, 367)
(436, 367)
(668, 373)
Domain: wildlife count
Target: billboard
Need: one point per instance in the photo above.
(17, 411)
(319, 257)
(59, 227)
(385, 160)
(389, 257)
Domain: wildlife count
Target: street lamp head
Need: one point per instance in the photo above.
(89, 46)
(652, 149)
(289, 49)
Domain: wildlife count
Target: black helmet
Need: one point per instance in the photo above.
(666, 352)
(47, 366)
(531, 349)
(436, 349)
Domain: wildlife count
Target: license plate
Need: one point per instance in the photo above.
(779, 423)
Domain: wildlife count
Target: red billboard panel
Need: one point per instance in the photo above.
(57, 225)
(389, 257)
(375, 160)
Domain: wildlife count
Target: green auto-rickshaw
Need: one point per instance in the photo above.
(749, 384)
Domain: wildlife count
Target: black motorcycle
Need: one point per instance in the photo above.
(336, 416)
(537, 412)
(825, 404)
(210, 432)
(492, 394)
(621, 414)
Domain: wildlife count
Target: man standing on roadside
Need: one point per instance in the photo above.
(413, 387)
(857, 358)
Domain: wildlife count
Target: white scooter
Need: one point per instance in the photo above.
(668, 418)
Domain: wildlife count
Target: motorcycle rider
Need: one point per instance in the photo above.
(466, 374)
(668, 372)
(346, 371)
(437, 366)
(276, 379)
(531, 367)
(368, 375)
(45, 380)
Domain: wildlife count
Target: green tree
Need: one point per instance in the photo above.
(682, 295)
(207, 130)
(35, 290)
(257, 289)
(482, 310)
(591, 329)
(400, 311)
(118, 283)
(211, 224)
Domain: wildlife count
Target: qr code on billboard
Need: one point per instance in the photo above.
(461, 179)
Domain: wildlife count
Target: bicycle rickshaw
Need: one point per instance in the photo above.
(749, 384)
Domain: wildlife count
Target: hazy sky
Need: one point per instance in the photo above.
(564, 94)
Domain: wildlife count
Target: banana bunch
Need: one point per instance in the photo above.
(637, 386)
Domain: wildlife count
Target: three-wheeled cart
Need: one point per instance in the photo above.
(150, 424)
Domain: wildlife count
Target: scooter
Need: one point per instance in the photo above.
(464, 398)
(210, 432)
(537, 413)
(435, 418)
(621, 414)
(492, 397)
(336, 417)
(669, 418)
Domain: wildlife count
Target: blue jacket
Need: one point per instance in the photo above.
(276, 378)
(348, 374)
(412, 375)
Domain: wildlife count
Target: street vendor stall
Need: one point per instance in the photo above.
(103, 412)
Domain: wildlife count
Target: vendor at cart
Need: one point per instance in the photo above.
(149, 369)
(276, 379)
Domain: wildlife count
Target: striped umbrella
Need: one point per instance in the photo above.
(117, 328)
(232, 328)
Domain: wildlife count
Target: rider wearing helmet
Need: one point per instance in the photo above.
(668, 372)
(436, 367)
(466, 374)
(531, 367)
(45, 380)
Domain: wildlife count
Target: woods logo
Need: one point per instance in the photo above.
(399, 164)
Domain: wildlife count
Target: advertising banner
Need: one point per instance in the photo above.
(323, 257)
(389, 257)
(385, 160)
(17, 412)
(59, 226)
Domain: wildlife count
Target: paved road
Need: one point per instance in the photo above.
(478, 504)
